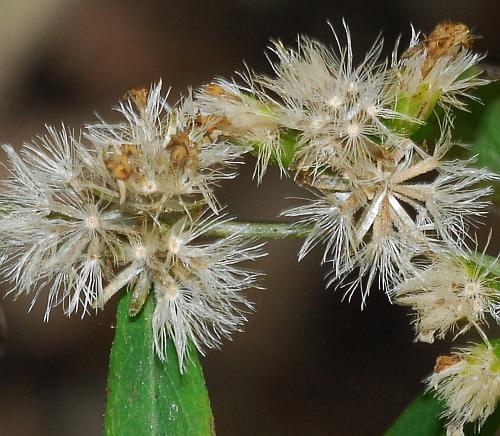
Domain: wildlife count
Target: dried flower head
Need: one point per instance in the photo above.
(159, 154)
(124, 207)
(468, 382)
(201, 299)
(247, 116)
(453, 292)
(389, 207)
(439, 66)
(339, 108)
(381, 199)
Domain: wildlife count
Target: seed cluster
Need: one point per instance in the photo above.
(388, 208)
(132, 204)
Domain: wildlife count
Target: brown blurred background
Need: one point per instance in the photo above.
(307, 363)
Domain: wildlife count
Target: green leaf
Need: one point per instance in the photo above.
(421, 418)
(466, 124)
(146, 396)
(487, 142)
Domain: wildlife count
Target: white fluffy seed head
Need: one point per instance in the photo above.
(86, 219)
(448, 295)
(468, 382)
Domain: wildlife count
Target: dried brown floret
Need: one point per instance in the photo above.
(444, 362)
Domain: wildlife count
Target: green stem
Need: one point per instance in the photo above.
(260, 230)
(147, 397)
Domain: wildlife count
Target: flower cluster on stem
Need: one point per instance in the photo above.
(132, 204)
(390, 210)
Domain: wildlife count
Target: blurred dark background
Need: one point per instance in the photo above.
(307, 364)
